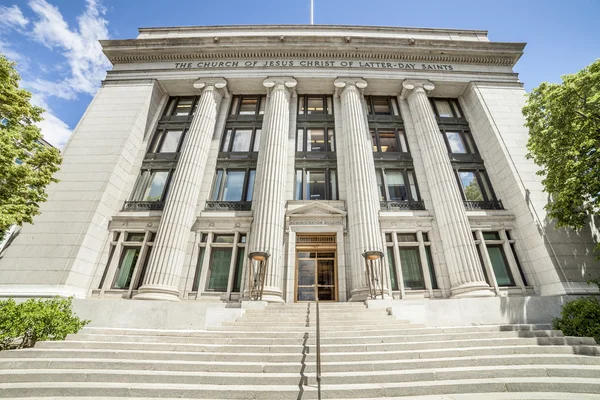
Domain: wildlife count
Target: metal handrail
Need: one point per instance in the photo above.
(318, 347)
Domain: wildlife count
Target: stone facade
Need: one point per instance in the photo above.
(205, 144)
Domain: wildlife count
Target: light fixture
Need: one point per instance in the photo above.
(258, 255)
(372, 255)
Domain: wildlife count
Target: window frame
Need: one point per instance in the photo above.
(466, 139)
(457, 112)
(423, 243)
(236, 270)
(381, 171)
(329, 131)
(330, 193)
(217, 196)
(328, 107)
(374, 132)
(393, 106)
(485, 187)
(145, 180)
(256, 132)
(237, 101)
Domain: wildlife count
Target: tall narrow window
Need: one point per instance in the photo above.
(411, 268)
(388, 140)
(233, 185)
(219, 269)
(392, 267)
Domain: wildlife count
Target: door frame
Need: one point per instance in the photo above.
(318, 247)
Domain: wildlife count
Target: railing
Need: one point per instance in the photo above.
(402, 205)
(484, 205)
(229, 205)
(318, 349)
(143, 205)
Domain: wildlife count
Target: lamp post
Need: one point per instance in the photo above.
(374, 273)
(257, 273)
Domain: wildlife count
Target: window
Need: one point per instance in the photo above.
(496, 244)
(446, 108)
(128, 258)
(474, 185)
(248, 105)
(167, 141)
(397, 185)
(413, 262)
(233, 185)
(152, 186)
(316, 184)
(388, 140)
(381, 105)
(315, 105)
(315, 140)
(459, 142)
(181, 106)
(241, 140)
(226, 256)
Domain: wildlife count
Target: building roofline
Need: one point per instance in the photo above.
(391, 29)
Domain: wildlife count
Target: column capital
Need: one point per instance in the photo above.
(343, 83)
(410, 86)
(281, 82)
(218, 84)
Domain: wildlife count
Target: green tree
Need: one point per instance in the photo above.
(26, 166)
(564, 125)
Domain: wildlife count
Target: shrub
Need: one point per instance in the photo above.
(23, 324)
(580, 317)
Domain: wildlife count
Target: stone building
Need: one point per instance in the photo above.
(314, 144)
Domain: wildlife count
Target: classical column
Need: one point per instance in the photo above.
(161, 281)
(464, 268)
(268, 201)
(362, 201)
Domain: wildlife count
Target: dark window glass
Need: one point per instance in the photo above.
(392, 267)
(444, 108)
(315, 140)
(407, 237)
(314, 184)
(315, 105)
(500, 265)
(387, 141)
(381, 106)
(184, 106)
(396, 186)
(223, 239)
(411, 268)
(135, 237)
(434, 284)
(220, 261)
(248, 106)
(233, 185)
(126, 267)
(491, 235)
(155, 183)
(237, 278)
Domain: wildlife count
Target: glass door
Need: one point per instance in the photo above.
(316, 275)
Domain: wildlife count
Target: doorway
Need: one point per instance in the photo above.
(316, 268)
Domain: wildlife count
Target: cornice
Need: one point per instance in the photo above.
(401, 50)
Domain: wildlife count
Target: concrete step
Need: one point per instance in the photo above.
(306, 357)
(220, 332)
(298, 378)
(216, 339)
(325, 348)
(324, 324)
(158, 364)
(330, 391)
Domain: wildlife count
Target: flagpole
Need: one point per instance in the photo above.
(311, 12)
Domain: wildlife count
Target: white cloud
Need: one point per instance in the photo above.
(85, 64)
(79, 46)
(12, 17)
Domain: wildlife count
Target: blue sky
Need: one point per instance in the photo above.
(55, 41)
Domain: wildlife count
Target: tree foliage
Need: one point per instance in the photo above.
(581, 317)
(23, 324)
(26, 166)
(564, 125)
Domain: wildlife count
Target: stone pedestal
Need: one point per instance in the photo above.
(161, 281)
(464, 268)
(362, 201)
(269, 195)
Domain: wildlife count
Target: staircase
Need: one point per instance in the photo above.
(270, 354)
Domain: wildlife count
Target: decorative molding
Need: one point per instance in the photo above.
(153, 56)
(410, 86)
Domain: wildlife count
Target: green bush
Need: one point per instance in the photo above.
(580, 317)
(23, 324)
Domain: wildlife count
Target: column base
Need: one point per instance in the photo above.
(157, 292)
(472, 289)
(362, 294)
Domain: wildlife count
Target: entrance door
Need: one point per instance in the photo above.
(316, 274)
